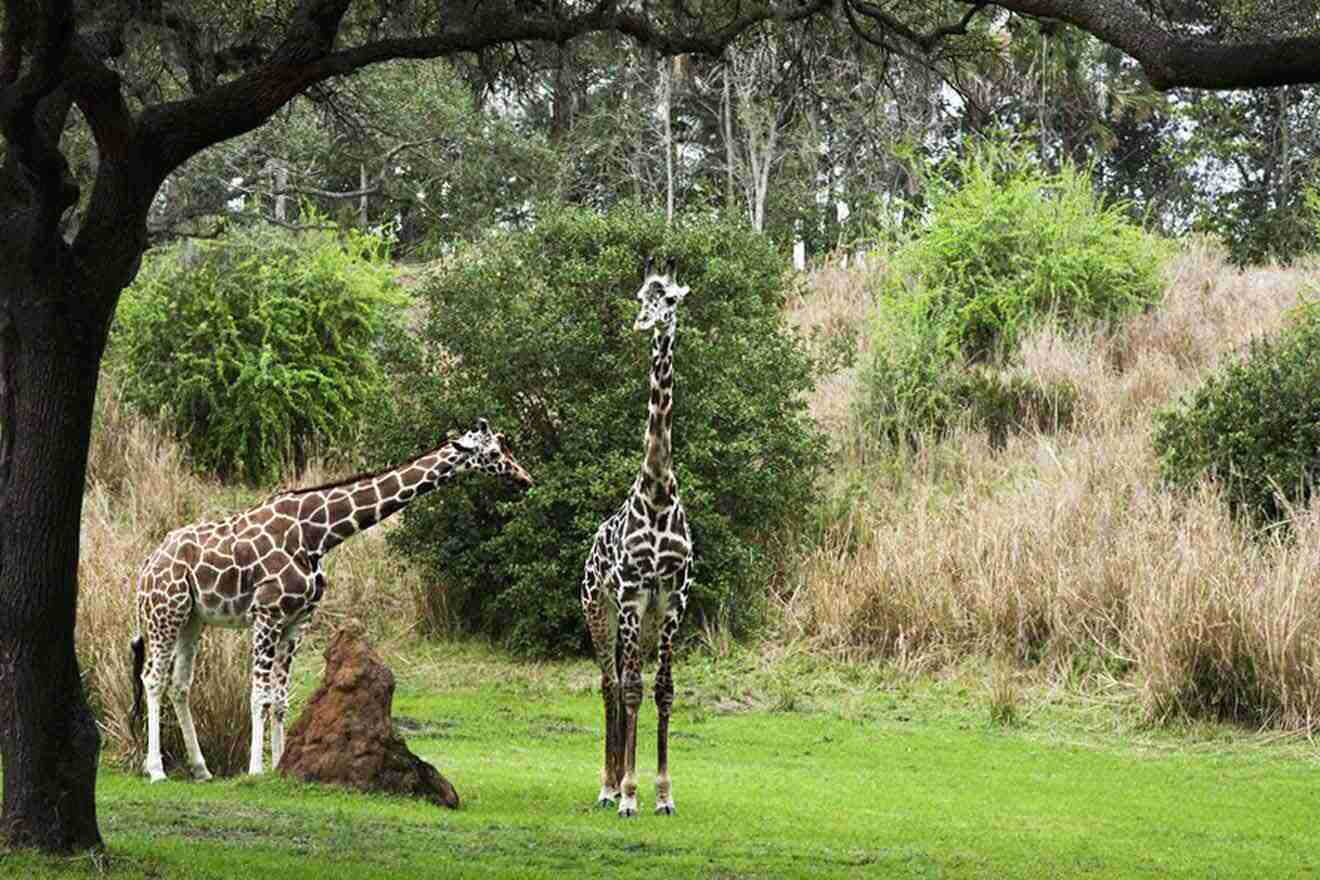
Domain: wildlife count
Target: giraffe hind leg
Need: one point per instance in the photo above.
(185, 652)
(619, 718)
(601, 623)
(153, 684)
(164, 621)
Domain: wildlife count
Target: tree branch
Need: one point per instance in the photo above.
(1172, 60)
(373, 189)
(40, 164)
(924, 41)
(178, 130)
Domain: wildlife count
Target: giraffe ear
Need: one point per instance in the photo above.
(483, 427)
(646, 268)
(671, 266)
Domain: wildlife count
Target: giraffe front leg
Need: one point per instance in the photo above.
(630, 637)
(264, 638)
(279, 702)
(185, 652)
(611, 771)
(671, 616)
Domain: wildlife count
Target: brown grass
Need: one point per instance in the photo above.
(1064, 551)
(139, 488)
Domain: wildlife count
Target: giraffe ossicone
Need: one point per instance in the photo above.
(261, 569)
(640, 559)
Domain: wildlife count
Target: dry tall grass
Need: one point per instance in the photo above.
(139, 488)
(1065, 551)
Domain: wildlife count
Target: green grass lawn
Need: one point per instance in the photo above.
(796, 771)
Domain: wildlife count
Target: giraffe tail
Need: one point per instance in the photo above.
(139, 658)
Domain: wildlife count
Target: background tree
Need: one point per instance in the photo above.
(1255, 155)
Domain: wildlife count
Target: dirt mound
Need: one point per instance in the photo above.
(345, 736)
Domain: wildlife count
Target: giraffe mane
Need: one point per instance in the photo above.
(355, 478)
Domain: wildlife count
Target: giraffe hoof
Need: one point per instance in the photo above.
(627, 814)
(201, 774)
(605, 802)
(665, 809)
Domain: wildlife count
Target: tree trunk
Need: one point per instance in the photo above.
(666, 110)
(726, 117)
(49, 351)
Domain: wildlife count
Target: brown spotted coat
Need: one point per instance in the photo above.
(262, 569)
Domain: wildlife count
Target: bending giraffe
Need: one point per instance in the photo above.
(641, 555)
(262, 569)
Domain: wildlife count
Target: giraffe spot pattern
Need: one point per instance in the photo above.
(641, 553)
(261, 569)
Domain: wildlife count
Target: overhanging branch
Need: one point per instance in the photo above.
(924, 41)
(41, 165)
(1172, 60)
(178, 130)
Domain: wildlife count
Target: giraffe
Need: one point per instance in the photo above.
(262, 569)
(641, 554)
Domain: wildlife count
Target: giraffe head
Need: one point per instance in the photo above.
(482, 450)
(659, 295)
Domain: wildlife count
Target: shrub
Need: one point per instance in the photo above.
(532, 329)
(1005, 247)
(1254, 426)
(259, 345)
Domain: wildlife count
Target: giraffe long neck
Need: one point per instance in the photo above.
(355, 506)
(657, 463)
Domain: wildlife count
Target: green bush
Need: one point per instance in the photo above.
(533, 330)
(1254, 426)
(1005, 247)
(257, 345)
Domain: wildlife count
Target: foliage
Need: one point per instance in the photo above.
(916, 382)
(1005, 247)
(403, 148)
(259, 345)
(1258, 152)
(531, 329)
(1255, 425)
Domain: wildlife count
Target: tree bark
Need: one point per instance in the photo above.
(667, 129)
(48, 737)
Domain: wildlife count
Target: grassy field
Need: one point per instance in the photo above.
(782, 768)
(1019, 643)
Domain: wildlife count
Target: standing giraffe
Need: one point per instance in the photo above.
(262, 569)
(641, 554)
